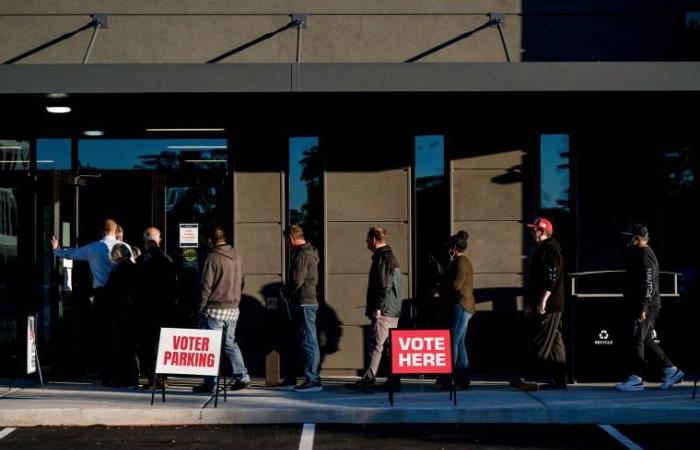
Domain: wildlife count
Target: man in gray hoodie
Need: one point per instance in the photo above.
(300, 292)
(220, 296)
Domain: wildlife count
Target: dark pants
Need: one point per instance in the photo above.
(643, 339)
(550, 354)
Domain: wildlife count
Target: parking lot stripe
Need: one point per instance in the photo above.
(6, 431)
(307, 437)
(621, 438)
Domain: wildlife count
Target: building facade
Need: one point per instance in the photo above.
(422, 117)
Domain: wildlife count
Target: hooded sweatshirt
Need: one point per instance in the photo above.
(222, 279)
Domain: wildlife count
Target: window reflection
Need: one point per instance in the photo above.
(305, 193)
(53, 154)
(9, 269)
(432, 221)
(153, 154)
(554, 171)
(14, 155)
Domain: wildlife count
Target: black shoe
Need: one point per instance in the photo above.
(237, 385)
(363, 385)
(288, 384)
(162, 383)
(309, 386)
(203, 389)
(552, 386)
(395, 386)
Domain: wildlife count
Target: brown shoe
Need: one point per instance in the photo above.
(523, 385)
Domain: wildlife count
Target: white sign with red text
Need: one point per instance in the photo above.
(189, 235)
(185, 351)
(421, 351)
(31, 344)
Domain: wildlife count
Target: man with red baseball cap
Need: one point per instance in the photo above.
(544, 307)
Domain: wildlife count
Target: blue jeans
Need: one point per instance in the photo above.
(231, 349)
(305, 318)
(460, 321)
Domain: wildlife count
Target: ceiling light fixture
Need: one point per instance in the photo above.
(157, 130)
(204, 147)
(55, 95)
(58, 109)
(93, 133)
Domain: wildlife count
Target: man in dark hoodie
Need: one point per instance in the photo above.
(643, 304)
(383, 305)
(300, 292)
(220, 296)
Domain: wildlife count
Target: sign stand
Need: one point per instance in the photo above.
(187, 351)
(33, 364)
(431, 352)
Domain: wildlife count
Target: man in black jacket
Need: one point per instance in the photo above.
(383, 306)
(157, 298)
(544, 307)
(300, 291)
(643, 303)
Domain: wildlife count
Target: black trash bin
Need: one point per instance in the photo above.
(599, 330)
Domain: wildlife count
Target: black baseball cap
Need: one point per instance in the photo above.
(636, 229)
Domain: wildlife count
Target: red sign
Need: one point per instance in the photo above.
(421, 351)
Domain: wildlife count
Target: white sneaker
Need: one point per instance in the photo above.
(672, 375)
(633, 383)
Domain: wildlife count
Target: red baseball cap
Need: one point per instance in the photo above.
(542, 224)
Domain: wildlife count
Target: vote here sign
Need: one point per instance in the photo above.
(421, 351)
(189, 352)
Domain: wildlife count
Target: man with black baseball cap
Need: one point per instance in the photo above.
(643, 303)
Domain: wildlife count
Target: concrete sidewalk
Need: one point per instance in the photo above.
(82, 404)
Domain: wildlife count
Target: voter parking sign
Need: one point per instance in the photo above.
(186, 351)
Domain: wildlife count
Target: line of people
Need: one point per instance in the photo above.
(147, 289)
(132, 299)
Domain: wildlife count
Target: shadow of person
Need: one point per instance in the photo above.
(329, 330)
(249, 333)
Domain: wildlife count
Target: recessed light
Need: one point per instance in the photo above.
(58, 109)
(93, 133)
(200, 147)
(184, 129)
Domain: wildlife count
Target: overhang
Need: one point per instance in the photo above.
(379, 77)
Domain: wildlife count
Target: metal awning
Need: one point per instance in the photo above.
(360, 77)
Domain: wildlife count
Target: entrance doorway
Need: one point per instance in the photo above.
(171, 188)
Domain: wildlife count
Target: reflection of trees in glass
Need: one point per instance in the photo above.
(678, 171)
(311, 213)
(176, 160)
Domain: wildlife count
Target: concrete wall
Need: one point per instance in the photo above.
(365, 31)
(258, 214)
(367, 184)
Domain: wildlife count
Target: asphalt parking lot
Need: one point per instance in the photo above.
(342, 436)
